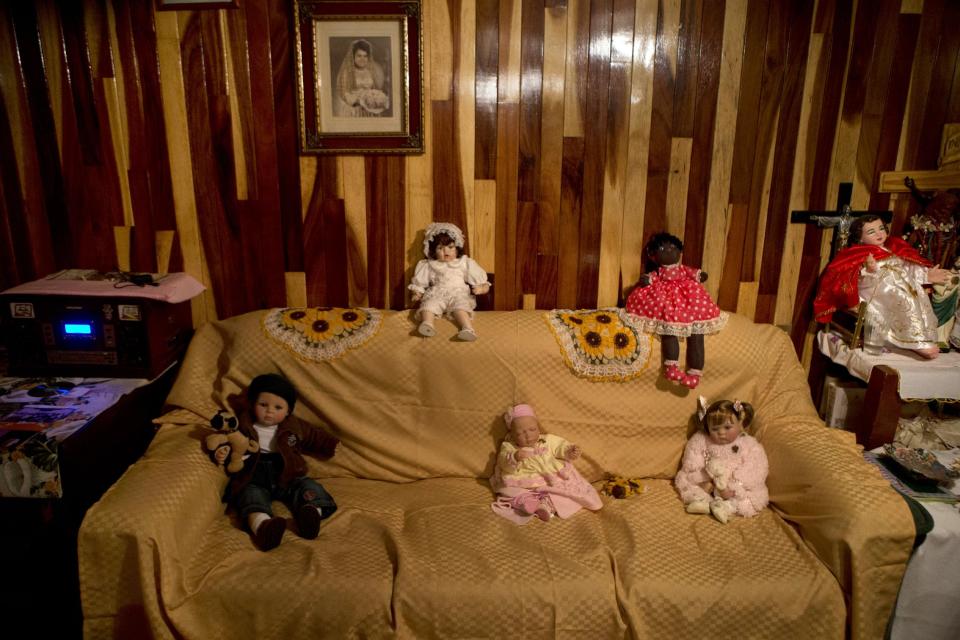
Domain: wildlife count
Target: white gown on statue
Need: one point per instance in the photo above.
(896, 299)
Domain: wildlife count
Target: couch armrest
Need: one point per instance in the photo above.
(158, 509)
(845, 511)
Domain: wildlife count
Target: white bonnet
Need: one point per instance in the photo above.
(436, 229)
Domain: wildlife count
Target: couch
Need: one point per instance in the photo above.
(414, 550)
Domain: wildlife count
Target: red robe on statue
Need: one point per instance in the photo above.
(838, 284)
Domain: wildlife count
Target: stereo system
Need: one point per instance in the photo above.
(93, 336)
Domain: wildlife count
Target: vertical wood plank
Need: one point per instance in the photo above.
(295, 285)
(464, 99)
(661, 123)
(485, 88)
(638, 153)
(677, 184)
(570, 206)
(614, 175)
(551, 127)
(531, 89)
(505, 262)
(595, 151)
(483, 247)
(178, 146)
(355, 219)
(578, 55)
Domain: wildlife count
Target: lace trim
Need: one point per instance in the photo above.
(600, 344)
(321, 333)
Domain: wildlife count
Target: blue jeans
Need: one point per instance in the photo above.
(263, 489)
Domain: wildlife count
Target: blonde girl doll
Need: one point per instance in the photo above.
(724, 470)
(445, 282)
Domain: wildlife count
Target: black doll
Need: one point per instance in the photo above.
(671, 302)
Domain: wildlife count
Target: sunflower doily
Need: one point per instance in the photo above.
(321, 333)
(600, 344)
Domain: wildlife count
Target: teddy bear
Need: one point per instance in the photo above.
(227, 445)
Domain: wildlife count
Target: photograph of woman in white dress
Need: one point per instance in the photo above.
(363, 87)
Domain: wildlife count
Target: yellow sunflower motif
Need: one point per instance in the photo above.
(334, 319)
(600, 344)
(624, 344)
(572, 319)
(592, 344)
(353, 318)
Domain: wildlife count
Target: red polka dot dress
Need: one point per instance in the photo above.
(676, 304)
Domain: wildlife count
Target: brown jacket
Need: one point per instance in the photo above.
(294, 438)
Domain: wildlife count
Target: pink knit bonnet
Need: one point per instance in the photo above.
(518, 411)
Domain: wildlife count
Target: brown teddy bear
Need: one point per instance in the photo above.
(227, 445)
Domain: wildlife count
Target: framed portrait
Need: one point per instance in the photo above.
(359, 76)
(186, 5)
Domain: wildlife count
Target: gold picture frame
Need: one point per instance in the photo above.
(359, 76)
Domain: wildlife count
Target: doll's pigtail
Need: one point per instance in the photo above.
(717, 411)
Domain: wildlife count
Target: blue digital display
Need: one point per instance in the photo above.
(77, 329)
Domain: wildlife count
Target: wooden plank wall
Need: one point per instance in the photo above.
(560, 134)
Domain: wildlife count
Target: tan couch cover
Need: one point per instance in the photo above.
(414, 550)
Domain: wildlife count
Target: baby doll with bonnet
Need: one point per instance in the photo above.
(446, 280)
(672, 303)
(535, 476)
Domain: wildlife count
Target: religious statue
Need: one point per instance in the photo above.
(934, 230)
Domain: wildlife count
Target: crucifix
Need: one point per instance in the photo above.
(841, 218)
(946, 175)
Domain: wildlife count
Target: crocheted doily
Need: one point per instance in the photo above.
(600, 344)
(321, 333)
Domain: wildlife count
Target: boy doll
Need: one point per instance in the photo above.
(278, 470)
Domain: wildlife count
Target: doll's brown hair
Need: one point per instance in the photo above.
(856, 227)
(720, 410)
(442, 240)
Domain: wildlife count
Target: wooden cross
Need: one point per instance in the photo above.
(946, 176)
(841, 218)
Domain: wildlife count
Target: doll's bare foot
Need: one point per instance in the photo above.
(269, 534)
(672, 372)
(698, 507)
(691, 378)
(308, 521)
(545, 509)
(467, 334)
(930, 353)
(426, 330)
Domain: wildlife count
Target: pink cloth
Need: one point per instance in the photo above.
(172, 288)
(744, 461)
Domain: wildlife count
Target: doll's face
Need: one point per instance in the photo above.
(665, 254)
(874, 233)
(525, 431)
(270, 409)
(726, 431)
(445, 252)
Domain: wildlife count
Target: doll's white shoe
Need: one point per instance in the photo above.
(721, 510)
(467, 335)
(426, 330)
(698, 507)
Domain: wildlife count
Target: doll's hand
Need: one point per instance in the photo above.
(220, 454)
(703, 276)
(726, 494)
(936, 275)
(870, 263)
(480, 289)
(572, 453)
(645, 280)
(416, 297)
(523, 454)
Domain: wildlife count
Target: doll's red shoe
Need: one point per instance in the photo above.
(691, 379)
(673, 373)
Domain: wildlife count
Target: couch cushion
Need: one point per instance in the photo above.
(429, 559)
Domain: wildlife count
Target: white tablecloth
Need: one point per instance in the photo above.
(920, 379)
(928, 607)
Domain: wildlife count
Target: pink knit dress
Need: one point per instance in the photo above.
(746, 465)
